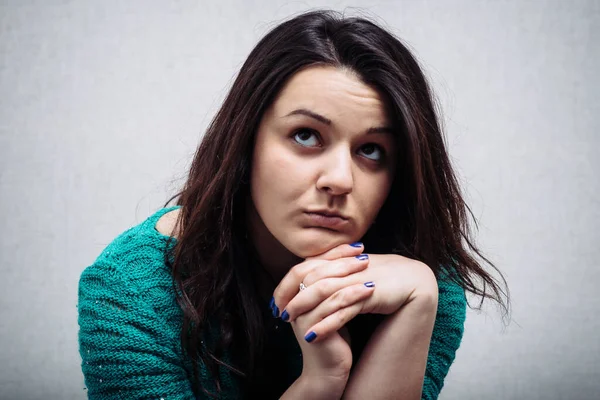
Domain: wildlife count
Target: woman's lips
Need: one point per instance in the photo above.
(326, 221)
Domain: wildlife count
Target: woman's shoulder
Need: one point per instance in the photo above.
(129, 319)
(137, 255)
(166, 221)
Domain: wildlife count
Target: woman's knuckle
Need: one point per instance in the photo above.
(293, 273)
(276, 293)
(324, 287)
(349, 262)
(290, 308)
(338, 298)
(343, 316)
(312, 277)
(336, 252)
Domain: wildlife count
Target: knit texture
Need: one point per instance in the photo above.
(130, 324)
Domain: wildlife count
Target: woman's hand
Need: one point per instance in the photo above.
(334, 295)
(340, 284)
(326, 353)
(398, 280)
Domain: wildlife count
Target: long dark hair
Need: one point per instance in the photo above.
(424, 217)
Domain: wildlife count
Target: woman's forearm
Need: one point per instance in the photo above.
(318, 388)
(392, 365)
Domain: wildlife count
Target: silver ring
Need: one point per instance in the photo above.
(302, 286)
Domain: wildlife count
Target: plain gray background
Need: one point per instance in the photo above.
(103, 103)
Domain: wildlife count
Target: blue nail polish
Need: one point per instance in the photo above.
(362, 257)
(356, 244)
(285, 316)
(310, 337)
(275, 311)
(370, 284)
(272, 305)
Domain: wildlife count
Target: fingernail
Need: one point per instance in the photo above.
(285, 316)
(356, 244)
(362, 257)
(310, 337)
(370, 284)
(274, 309)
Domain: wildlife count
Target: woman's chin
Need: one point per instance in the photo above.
(316, 246)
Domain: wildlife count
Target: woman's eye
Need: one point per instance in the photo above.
(372, 152)
(306, 138)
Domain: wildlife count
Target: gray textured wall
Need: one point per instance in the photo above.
(103, 102)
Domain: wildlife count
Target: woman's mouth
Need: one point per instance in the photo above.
(326, 220)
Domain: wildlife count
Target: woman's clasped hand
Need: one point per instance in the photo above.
(337, 286)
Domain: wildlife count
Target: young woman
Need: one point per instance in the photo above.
(318, 250)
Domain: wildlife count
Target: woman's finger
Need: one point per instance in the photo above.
(338, 310)
(288, 287)
(343, 250)
(336, 269)
(344, 272)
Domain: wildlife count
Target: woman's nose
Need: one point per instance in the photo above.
(336, 176)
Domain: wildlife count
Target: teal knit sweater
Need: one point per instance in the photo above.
(130, 323)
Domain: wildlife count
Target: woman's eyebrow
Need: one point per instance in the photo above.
(327, 121)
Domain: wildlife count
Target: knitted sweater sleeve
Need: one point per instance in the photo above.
(126, 342)
(446, 337)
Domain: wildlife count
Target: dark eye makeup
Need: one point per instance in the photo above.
(310, 138)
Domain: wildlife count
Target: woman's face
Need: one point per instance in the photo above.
(323, 164)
